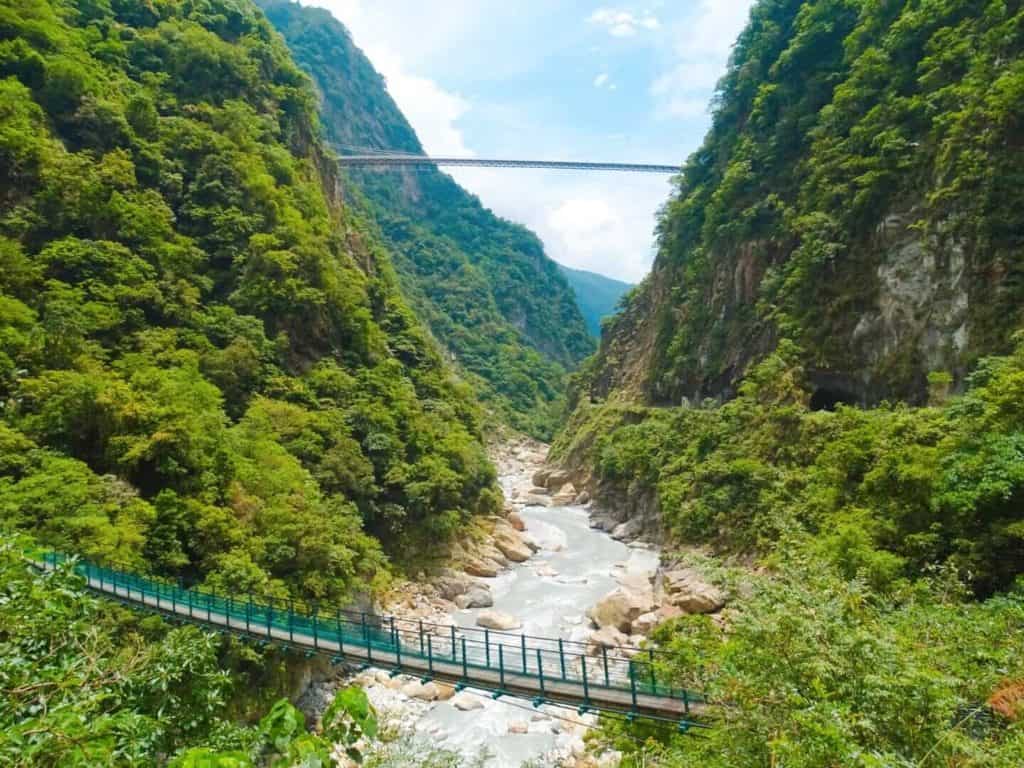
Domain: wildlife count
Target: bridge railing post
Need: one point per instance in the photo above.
(501, 666)
(487, 646)
(316, 640)
(291, 620)
(561, 657)
(465, 662)
(421, 637)
(397, 638)
(453, 643)
(540, 672)
(604, 657)
(632, 684)
(522, 639)
(654, 677)
(586, 687)
(430, 654)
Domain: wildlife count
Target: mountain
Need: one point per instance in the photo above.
(857, 193)
(207, 367)
(598, 296)
(495, 301)
(813, 403)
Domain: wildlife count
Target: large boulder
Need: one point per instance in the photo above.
(557, 478)
(627, 530)
(565, 497)
(478, 596)
(606, 637)
(511, 545)
(498, 620)
(480, 566)
(540, 477)
(645, 623)
(686, 589)
(466, 701)
(516, 521)
(620, 607)
(450, 584)
(536, 500)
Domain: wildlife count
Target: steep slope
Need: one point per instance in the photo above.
(859, 193)
(598, 296)
(483, 284)
(206, 365)
(850, 231)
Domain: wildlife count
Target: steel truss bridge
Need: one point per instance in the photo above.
(397, 159)
(540, 670)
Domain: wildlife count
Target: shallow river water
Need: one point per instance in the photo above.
(577, 567)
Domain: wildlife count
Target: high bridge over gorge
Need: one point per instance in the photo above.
(625, 682)
(365, 158)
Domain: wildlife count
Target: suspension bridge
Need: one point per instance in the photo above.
(400, 159)
(628, 683)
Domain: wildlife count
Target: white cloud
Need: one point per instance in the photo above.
(433, 111)
(621, 23)
(601, 80)
(701, 52)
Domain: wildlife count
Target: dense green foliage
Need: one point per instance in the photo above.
(597, 295)
(861, 646)
(206, 367)
(849, 137)
(482, 284)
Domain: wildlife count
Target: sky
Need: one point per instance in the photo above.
(556, 80)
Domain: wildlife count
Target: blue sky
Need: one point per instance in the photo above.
(556, 80)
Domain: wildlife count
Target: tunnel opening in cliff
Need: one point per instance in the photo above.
(830, 398)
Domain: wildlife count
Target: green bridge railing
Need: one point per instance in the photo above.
(545, 661)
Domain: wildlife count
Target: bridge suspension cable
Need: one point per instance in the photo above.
(379, 158)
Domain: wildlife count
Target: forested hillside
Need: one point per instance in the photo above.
(859, 193)
(815, 399)
(205, 362)
(484, 285)
(597, 295)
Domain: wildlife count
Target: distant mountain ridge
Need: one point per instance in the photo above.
(501, 307)
(597, 295)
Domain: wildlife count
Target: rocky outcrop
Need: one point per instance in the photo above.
(687, 590)
(478, 596)
(620, 607)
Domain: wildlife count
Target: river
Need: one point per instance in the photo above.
(550, 593)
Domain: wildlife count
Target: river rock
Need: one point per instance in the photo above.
(518, 726)
(540, 477)
(607, 637)
(478, 566)
(417, 690)
(536, 500)
(546, 571)
(645, 623)
(466, 701)
(497, 620)
(620, 607)
(516, 521)
(582, 499)
(627, 530)
(564, 497)
(478, 596)
(686, 589)
(556, 478)
(511, 545)
(450, 584)
(444, 691)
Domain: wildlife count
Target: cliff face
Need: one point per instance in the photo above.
(491, 296)
(858, 193)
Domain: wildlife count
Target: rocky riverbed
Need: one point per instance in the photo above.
(544, 568)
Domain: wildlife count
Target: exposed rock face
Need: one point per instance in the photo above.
(498, 620)
(476, 566)
(620, 607)
(686, 589)
(450, 584)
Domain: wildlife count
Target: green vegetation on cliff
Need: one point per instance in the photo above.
(206, 366)
(859, 193)
(861, 640)
(849, 233)
(597, 295)
(483, 285)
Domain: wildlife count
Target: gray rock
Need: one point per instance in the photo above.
(478, 596)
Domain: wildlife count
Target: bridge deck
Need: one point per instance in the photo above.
(398, 159)
(518, 665)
